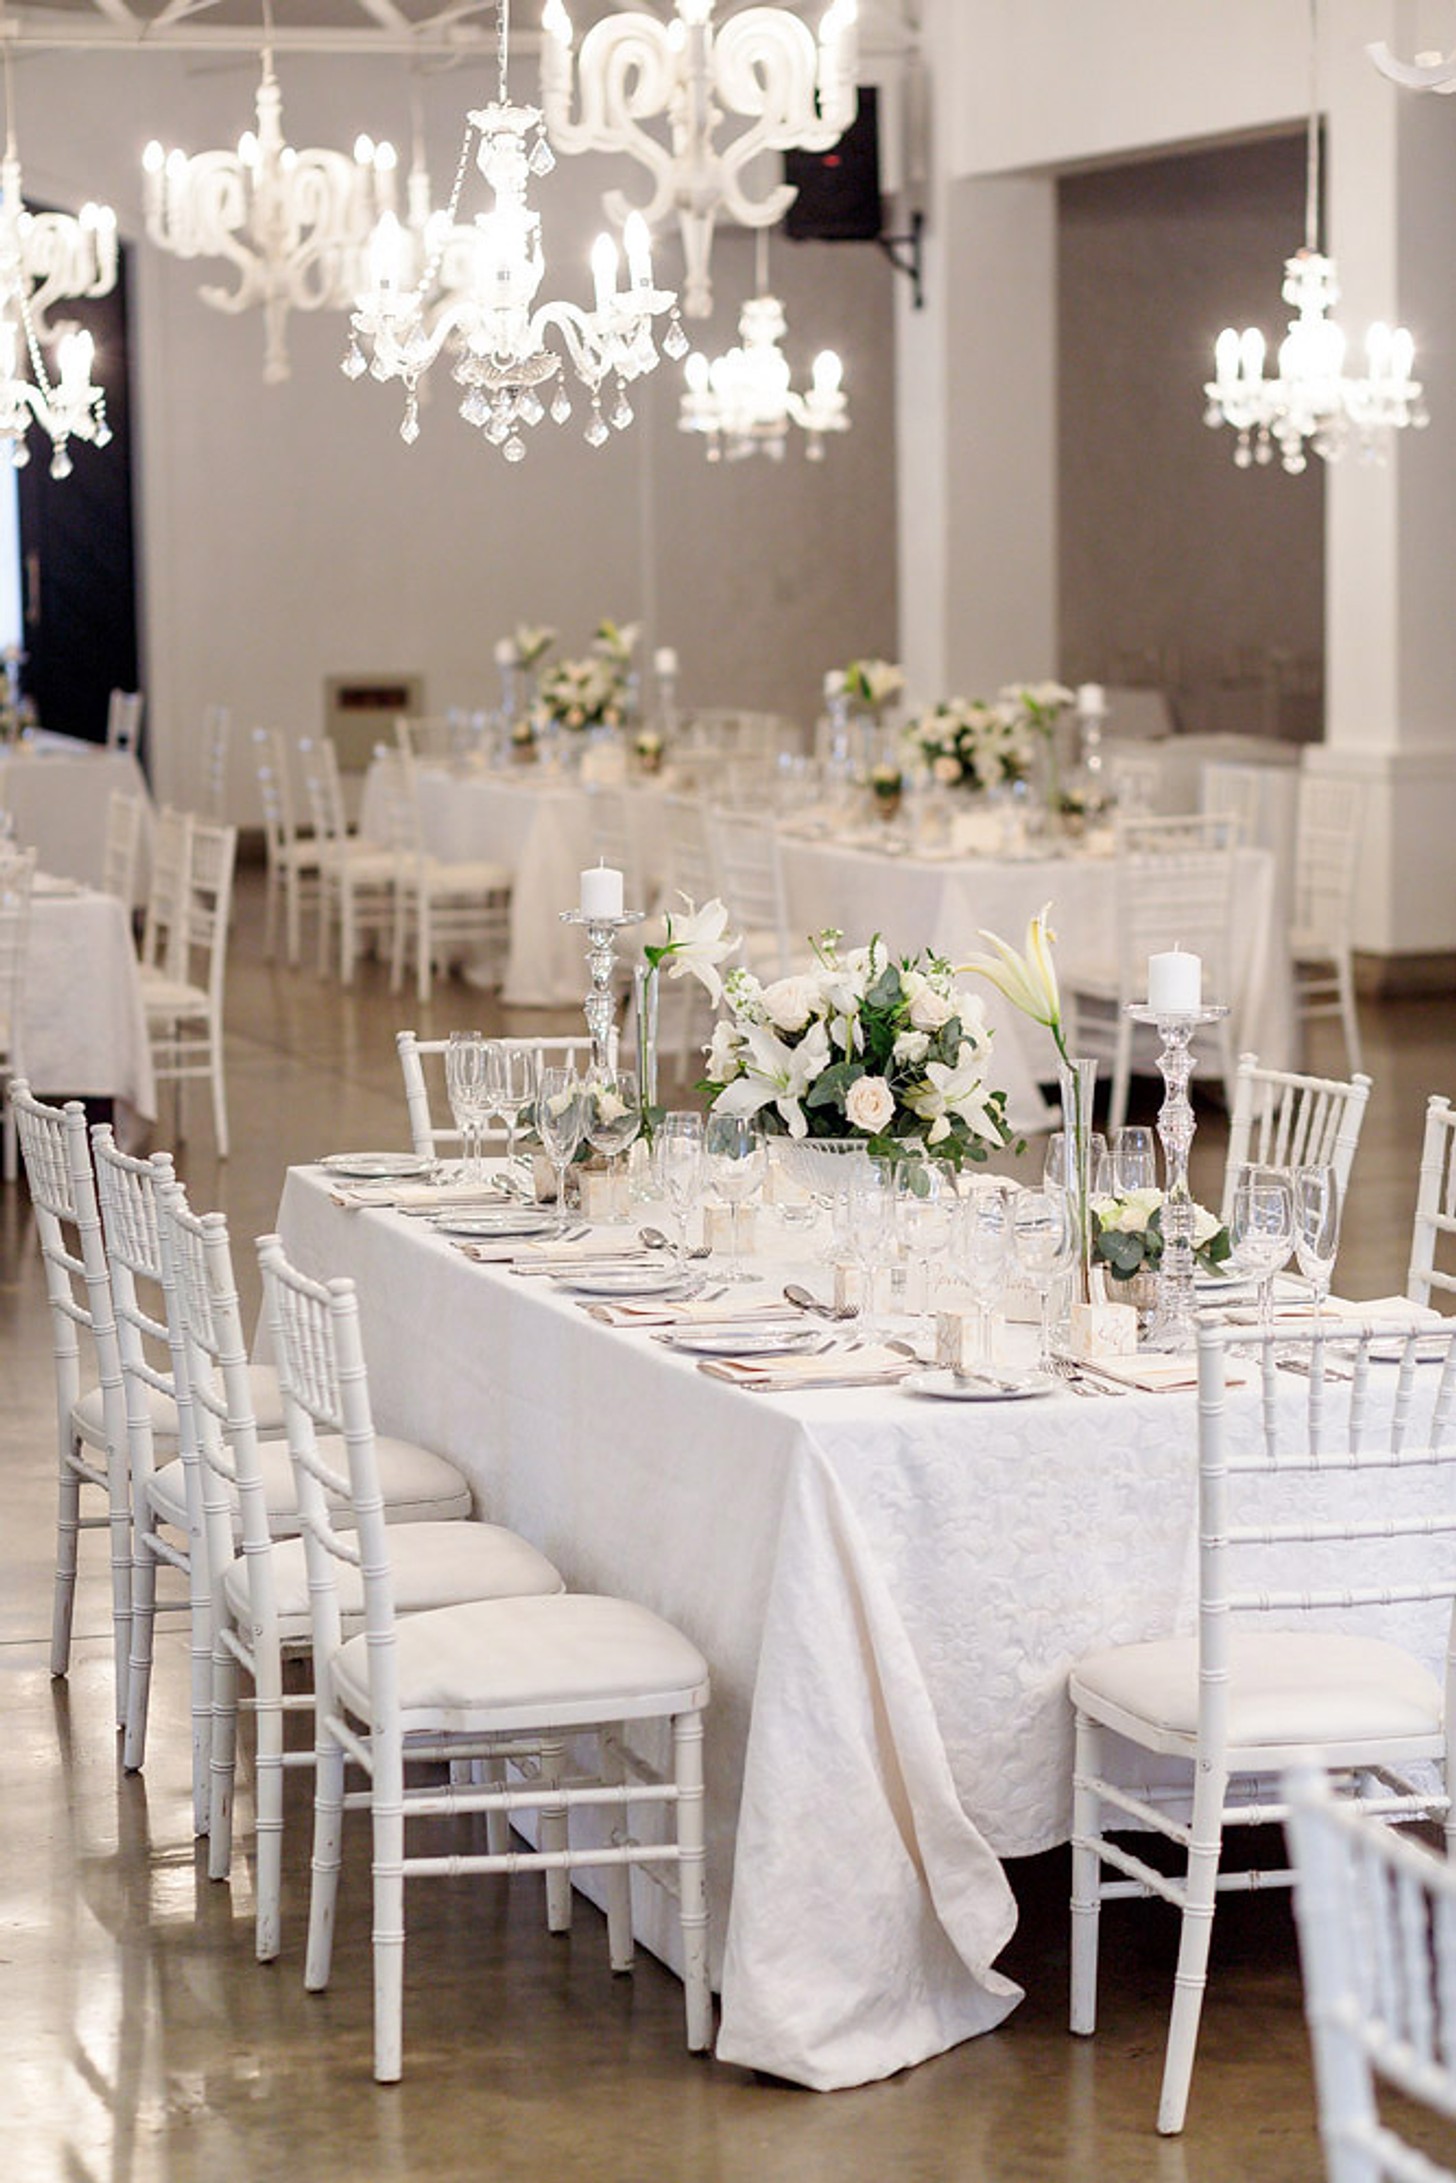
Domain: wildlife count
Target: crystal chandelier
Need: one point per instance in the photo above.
(763, 65)
(292, 223)
(743, 401)
(1311, 401)
(45, 258)
(476, 292)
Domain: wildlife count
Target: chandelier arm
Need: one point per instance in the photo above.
(627, 71)
(765, 63)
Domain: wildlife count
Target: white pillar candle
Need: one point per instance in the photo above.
(1175, 983)
(505, 652)
(1091, 700)
(664, 660)
(601, 891)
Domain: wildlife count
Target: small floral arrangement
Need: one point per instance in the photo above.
(1037, 705)
(523, 738)
(647, 743)
(861, 1045)
(696, 942)
(966, 743)
(532, 642)
(1127, 1234)
(616, 641)
(887, 784)
(584, 693)
(873, 684)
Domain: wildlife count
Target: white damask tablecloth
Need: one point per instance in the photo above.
(57, 791)
(889, 1591)
(83, 1027)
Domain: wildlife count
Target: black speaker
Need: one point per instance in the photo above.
(839, 190)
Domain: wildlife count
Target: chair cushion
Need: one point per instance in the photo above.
(466, 878)
(576, 1657)
(418, 1487)
(432, 1564)
(267, 1410)
(1285, 1686)
(173, 997)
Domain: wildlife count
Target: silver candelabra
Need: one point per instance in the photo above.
(1173, 1319)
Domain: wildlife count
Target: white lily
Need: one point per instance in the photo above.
(776, 1074)
(1028, 981)
(697, 941)
(957, 1089)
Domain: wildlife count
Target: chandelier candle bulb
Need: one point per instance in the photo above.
(1175, 983)
(601, 892)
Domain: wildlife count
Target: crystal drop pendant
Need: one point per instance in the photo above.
(353, 366)
(475, 409)
(515, 448)
(531, 411)
(19, 454)
(560, 407)
(675, 341)
(409, 430)
(541, 159)
(621, 412)
(61, 464)
(103, 435)
(596, 432)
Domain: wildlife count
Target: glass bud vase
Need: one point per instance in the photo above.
(1079, 1087)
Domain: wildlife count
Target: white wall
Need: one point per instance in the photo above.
(287, 534)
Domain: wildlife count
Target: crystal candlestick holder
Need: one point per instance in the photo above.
(1173, 1319)
(600, 1005)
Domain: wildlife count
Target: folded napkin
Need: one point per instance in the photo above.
(1392, 1314)
(1152, 1375)
(688, 1311)
(53, 885)
(416, 1197)
(867, 1367)
(603, 1245)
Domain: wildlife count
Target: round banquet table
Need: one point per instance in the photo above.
(57, 790)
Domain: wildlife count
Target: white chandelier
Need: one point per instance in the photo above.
(47, 258)
(477, 291)
(1311, 401)
(763, 64)
(743, 401)
(293, 224)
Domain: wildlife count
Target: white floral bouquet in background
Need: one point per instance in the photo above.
(873, 684)
(616, 641)
(532, 641)
(965, 743)
(584, 693)
(860, 1046)
(1037, 705)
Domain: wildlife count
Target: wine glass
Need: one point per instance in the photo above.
(870, 1211)
(560, 1115)
(512, 1075)
(1317, 1227)
(1134, 1159)
(737, 1159)
(466, 1060)
(983, 1247)
(613, 1118)
(677, 1157)
(1100, 1170)
(1261, 1230)
(927, 1212)
(1044, 1231)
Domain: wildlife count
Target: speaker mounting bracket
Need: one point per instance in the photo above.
(906, 254)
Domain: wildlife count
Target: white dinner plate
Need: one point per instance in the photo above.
(376, 1166)
(951, 1388)
(629, 1281)
(743, 1341)
(493, 1222)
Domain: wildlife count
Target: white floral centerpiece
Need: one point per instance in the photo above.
(965, 743)
(862, 1046)
(872, 685)
(616, 641)
(584, 693)
(532, 641)
(1038, 707)
(1127, 1234)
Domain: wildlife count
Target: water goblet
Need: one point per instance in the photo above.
(1317, 1227)
(613, 1119)
(512, 1089)
(466, 1062)
(982, 1249)
(1134, 1159)
(870, 1210)
(1261, 1230)
(677, 1157)
(737, 1160)
(927, 1210)
(1044, 1231)
(560, 1115)
(1100, 1172)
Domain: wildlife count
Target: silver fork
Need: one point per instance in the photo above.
(1082, 1383)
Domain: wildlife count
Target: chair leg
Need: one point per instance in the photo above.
(554, 1837)
(268, 1798)
(200, 1656)
(223, 1767)
(270, 913)
(687, 1737)
(1193, 1944)
(387, 1805)
(328, 1825)
(1086, 1876)
(139, 1686)
(1121, 1076)
(1349, 1015)
(618, 1877)
(12, 1145)
(68, 1532)
(219, 1086)
(119, 1530)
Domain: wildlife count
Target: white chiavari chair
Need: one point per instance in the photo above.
(183, 997)
(750, 882)
(1433, 1255)
(124, 720)
(1377, 1944)
(122, 846)
(1317, 1522)
(1237, 793)
(163, 949)
(90, 1424)
(17, 875)
(1321, 943)
(422, 1063)
(258, 1580)
(356, 877)
(434, 737)
(217, 730)
(443, 911)
(614, 839)
(1281, 1119)
(293, 857)
(478, 1681)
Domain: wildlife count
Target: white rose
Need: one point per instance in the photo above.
(1205, 1226)
(869, 1104)
(790, 1003)
(911, 1046)
(946, 768)
(931, 1011)
(912, 982)
(1132, 1220)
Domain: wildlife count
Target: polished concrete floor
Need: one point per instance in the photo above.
(141, 2043)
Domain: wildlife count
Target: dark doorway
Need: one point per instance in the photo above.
(77, 554)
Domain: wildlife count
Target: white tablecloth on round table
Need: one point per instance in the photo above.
(889, 1592)
(57, 791)
(84, 1031)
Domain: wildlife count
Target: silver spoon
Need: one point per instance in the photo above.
(655, 1240)
(801, 1296)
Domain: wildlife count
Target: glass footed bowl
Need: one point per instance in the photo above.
(824, 1166)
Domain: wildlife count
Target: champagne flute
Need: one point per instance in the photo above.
(1261, 1230)
(677, 1157)
(871, 1212)
(983, 1248)
(512, 1087)
(466, 1064)
(1134, 1159)
(1044, 1234)
(927, 1210)
(560, 1114)
(737, 1158)
(1317, 1227)
(613, 1118)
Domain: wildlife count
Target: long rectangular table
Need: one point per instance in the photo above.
(57, 790)
(83, 1027)
(889, 1591)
